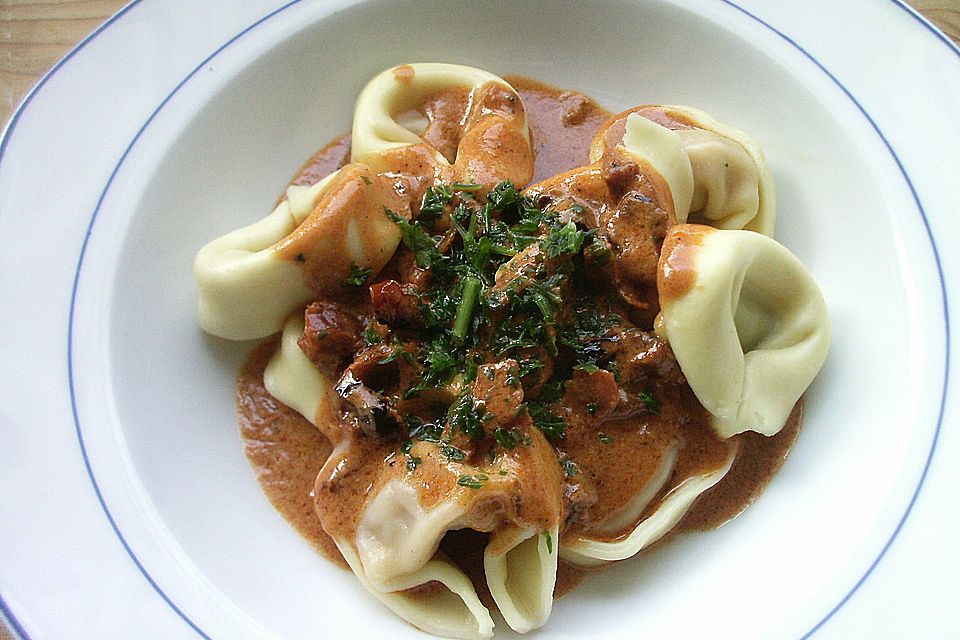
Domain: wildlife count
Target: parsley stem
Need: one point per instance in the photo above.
(544, 306)
(471, 289)
(472, 227)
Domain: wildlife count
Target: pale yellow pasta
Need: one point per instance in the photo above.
(452, 611)
(588, 553)
(725, 193)
(662, 149)
(245, 290)
(716, 173)
(251, 279)
(292, 379)
(522, 573)
(733, 216)
(397, 541)
(746, 321)
(395, 93)
(396, 536)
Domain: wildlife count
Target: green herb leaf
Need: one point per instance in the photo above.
(507, 438)
(650, 401)
(371, 335)
(358, 275)
(472, 481)
(417, 240)
(564, 240)
(412, 461)
(424, 431)
(452, 452)
(463, 417)
(434, 201)
(471, 290)
(396, 353)
(570, 468)
(551, 425)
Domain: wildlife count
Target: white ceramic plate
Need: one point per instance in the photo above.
(128, 508)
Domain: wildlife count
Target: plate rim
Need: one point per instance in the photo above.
(5, 610)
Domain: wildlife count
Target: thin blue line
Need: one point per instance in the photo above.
(932, 28)
(946, 316)
(11, 620)
(73, 299)
(27, 100)
(15, 624)
(4, 138)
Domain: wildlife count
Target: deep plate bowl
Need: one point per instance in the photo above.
(141, 411)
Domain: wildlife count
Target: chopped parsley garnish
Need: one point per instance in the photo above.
(412, 461)
(570, 468)
(396, 353)
(598, 251)
(424, 431)
(416, 238)
(461, 323)
(474, 481)
(464, 418)
(492, 295)
(469, 187)
(451, 452)
(508, 438)
(593, 408)
(371, 335)
(549, 540)
(551, 425)
(434, 201)
(604, 438)
(650, 401)
(565, 239)
(358, 275)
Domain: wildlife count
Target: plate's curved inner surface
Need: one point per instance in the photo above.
(221, 153)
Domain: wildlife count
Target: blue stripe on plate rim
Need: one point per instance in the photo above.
(5, 610)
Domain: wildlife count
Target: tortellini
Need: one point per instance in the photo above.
(746, 321)
(670, 510)
(396, 543)
(453, 611)
(713, 171)
(251, 279)
(495, 143)
(663, 151)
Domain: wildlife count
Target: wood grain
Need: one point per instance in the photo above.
(35, 34)
(943, 13)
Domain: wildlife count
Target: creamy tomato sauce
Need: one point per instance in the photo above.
(611, 449)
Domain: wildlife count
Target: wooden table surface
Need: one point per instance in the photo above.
(35, 34)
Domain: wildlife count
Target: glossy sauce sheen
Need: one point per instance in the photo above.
(286, 451)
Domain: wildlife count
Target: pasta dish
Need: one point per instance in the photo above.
(511, 337)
